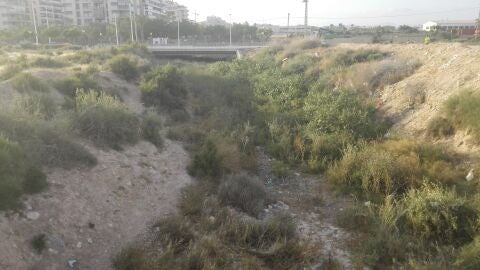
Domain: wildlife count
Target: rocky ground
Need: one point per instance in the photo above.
(87, 214)
(310, 201)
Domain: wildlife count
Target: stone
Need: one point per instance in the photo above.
(79, 245)
(33, 215)
(89, 240)
(53, 251)
(72, 263)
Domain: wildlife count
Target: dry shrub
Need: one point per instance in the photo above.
(26, 82)
(440, 127)
(244, 192)
(371, 76)
(299, 45)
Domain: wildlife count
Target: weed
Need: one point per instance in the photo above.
(69, 86)
(48, 63)
(463, 110)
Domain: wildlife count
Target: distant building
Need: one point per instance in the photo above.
(293, 30)
(465, 27)
(14, 13)
(215, 21)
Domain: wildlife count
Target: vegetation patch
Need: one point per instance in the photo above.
(26, 82)
(105, 120)
(463, 111)
(124, 66)
(244, 192)
(69, 86)
(48, 62)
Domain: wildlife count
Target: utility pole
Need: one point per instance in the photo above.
(230, 29)
(35, 24)
(131, 20)
(195, 14)
(116, 30)
(177, 13)
(135, 21)
(306, 15)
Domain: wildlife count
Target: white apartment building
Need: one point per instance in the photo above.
(84, 12)
(14, 13)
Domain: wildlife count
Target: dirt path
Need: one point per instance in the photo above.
(308, 199)
(87, 215)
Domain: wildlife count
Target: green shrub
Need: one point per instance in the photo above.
(134, 258)
(151, 126)
(124, 66)
(105, 120)
(469, 256)
(48, 62)
(438, 214)
(192, 200)
(17, 175)
(69, 86)
(206, 163)
(244, 192)
(342, 112)
(38, 105)
(392, 167)
(26, 82)
(440, 127)
(47, 144)
(463, 111)
(39, 243)
(280, 169)
(164, 89)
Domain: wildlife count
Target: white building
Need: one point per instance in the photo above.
(49, 12)
(14, 13)
(466, 26)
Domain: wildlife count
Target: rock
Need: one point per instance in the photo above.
(89, 240)
(368, 204)
(72, 263)
(211, 219)
(33, 215)
(53, 251)
(79, 245)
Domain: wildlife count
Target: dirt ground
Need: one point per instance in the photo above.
(88, 214)
(314, 208)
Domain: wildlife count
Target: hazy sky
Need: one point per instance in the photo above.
(324, 12)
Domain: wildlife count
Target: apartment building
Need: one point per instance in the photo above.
(84, 12)
(14, 13)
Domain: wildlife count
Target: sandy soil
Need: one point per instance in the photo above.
(88, 214)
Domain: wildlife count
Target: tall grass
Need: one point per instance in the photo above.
(26, 82)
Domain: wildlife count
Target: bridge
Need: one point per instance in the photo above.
(201, 53)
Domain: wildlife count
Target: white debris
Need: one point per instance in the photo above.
(33, 215)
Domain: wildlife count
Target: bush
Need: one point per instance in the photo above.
(26, 82)
(351, 57)
(42, 106)
(47, 145)
(172, 231)
(392, 167)
(440, 127)
(69, 86)
(463, 111)
(124, 66)
(243, 192)
(105, 120)
(151, 126)
(17, 175)
(206, 162)
(48, 63)
(192, 200)
(10, 71)
(280, 169)
(39, 243)
(164, 89)
(469, 256)
(438, 214)
(342, 112)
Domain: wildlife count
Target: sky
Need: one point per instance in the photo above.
(325, 12)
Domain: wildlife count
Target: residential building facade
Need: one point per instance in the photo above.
(14, 13)
(464, 27)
